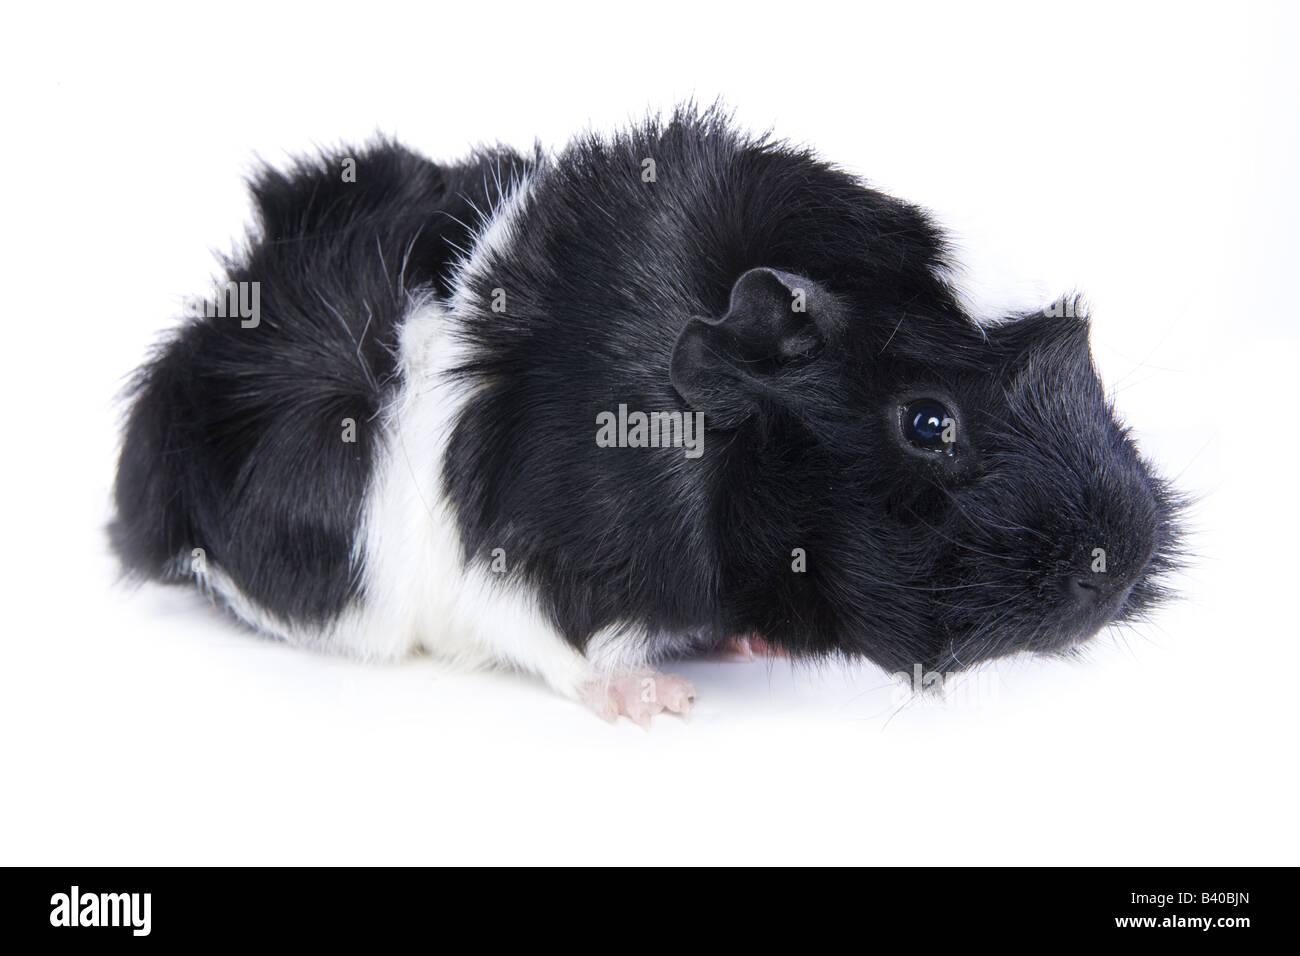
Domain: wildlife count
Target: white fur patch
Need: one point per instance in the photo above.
(499, 230)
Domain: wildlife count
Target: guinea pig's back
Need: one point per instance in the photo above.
(253, 430)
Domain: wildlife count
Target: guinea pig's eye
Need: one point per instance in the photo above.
(927, 424)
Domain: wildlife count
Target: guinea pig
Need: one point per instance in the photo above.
(650, 396)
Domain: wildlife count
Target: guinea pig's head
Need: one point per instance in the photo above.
(955, 492)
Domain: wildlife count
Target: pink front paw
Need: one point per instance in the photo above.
(640, 697)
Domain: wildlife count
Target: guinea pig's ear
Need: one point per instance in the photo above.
(775, 321)
(1061, 329)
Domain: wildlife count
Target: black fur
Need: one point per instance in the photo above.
(233, 443)
(909, 560)
(618, 291)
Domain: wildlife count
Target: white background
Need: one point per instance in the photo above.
(1145, 155)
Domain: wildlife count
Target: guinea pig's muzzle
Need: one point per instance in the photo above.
(1096, 587)
(1096, 599)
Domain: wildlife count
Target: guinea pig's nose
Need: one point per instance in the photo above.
(1081, 590)
(1089, 591)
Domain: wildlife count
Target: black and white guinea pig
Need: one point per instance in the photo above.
(660, 394)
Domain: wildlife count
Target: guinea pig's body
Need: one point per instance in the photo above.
(586, 413)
